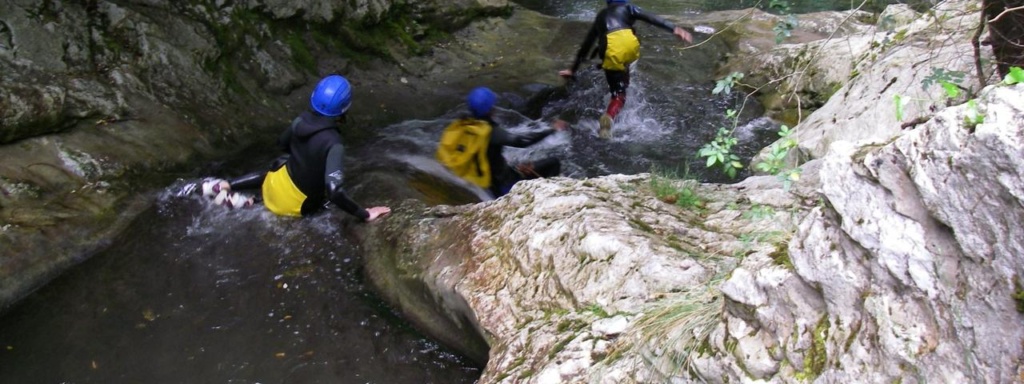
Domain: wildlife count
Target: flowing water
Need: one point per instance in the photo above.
(669, 114)
(587, 9)
(195, 293)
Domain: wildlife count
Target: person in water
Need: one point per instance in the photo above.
(618, 47)
(503, 176)
(297, 184)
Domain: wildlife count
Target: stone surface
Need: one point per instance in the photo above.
(563, 262)
(895, 259)
(907, 261)
(879, 66)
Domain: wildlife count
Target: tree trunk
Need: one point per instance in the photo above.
(1006, 32)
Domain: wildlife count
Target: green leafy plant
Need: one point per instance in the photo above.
(789, 177)
(781, 5)
(952, 90)
(784, 28)
(774, 162)
(1015, 76)
(940, 76)
(687, 198)
(673, 190)
(726, 83)
(719, 151)
(947, 80)
(972, 116)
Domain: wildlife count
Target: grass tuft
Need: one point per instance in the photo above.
(673, 189)
(671, 334)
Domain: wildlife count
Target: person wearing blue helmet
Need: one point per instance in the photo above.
(312, 169)
(618, 47)
(481, 103)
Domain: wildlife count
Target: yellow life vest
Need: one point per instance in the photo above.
(623, 49)
(463, 150)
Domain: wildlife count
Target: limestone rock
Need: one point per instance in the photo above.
(550, 271)
(878, 67)
(909, 261)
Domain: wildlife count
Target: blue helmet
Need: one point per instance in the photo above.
(332, 96)
(481, 101)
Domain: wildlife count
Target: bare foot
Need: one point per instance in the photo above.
(377, 212)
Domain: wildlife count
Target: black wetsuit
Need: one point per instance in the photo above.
(315, 162)
(504, 176)
(611, 19)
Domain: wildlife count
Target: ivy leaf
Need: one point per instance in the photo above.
(952, 91)
(784, 131)
(1015, 76)
(725, 84)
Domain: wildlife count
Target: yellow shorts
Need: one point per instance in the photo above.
(280, 194)
(623, 49)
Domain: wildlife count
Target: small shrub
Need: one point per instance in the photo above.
(672, 190)
(719, 152)
(1015, 76)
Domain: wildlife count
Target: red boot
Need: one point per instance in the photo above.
(614, 106)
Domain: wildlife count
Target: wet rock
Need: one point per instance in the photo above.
(52, 105)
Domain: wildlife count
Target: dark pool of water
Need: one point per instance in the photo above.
(194, 293)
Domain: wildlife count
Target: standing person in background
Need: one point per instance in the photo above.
(618, 47)
(312, 168)
(471, 147)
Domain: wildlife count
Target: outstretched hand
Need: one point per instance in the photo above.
(377, 212)
(683, 34)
